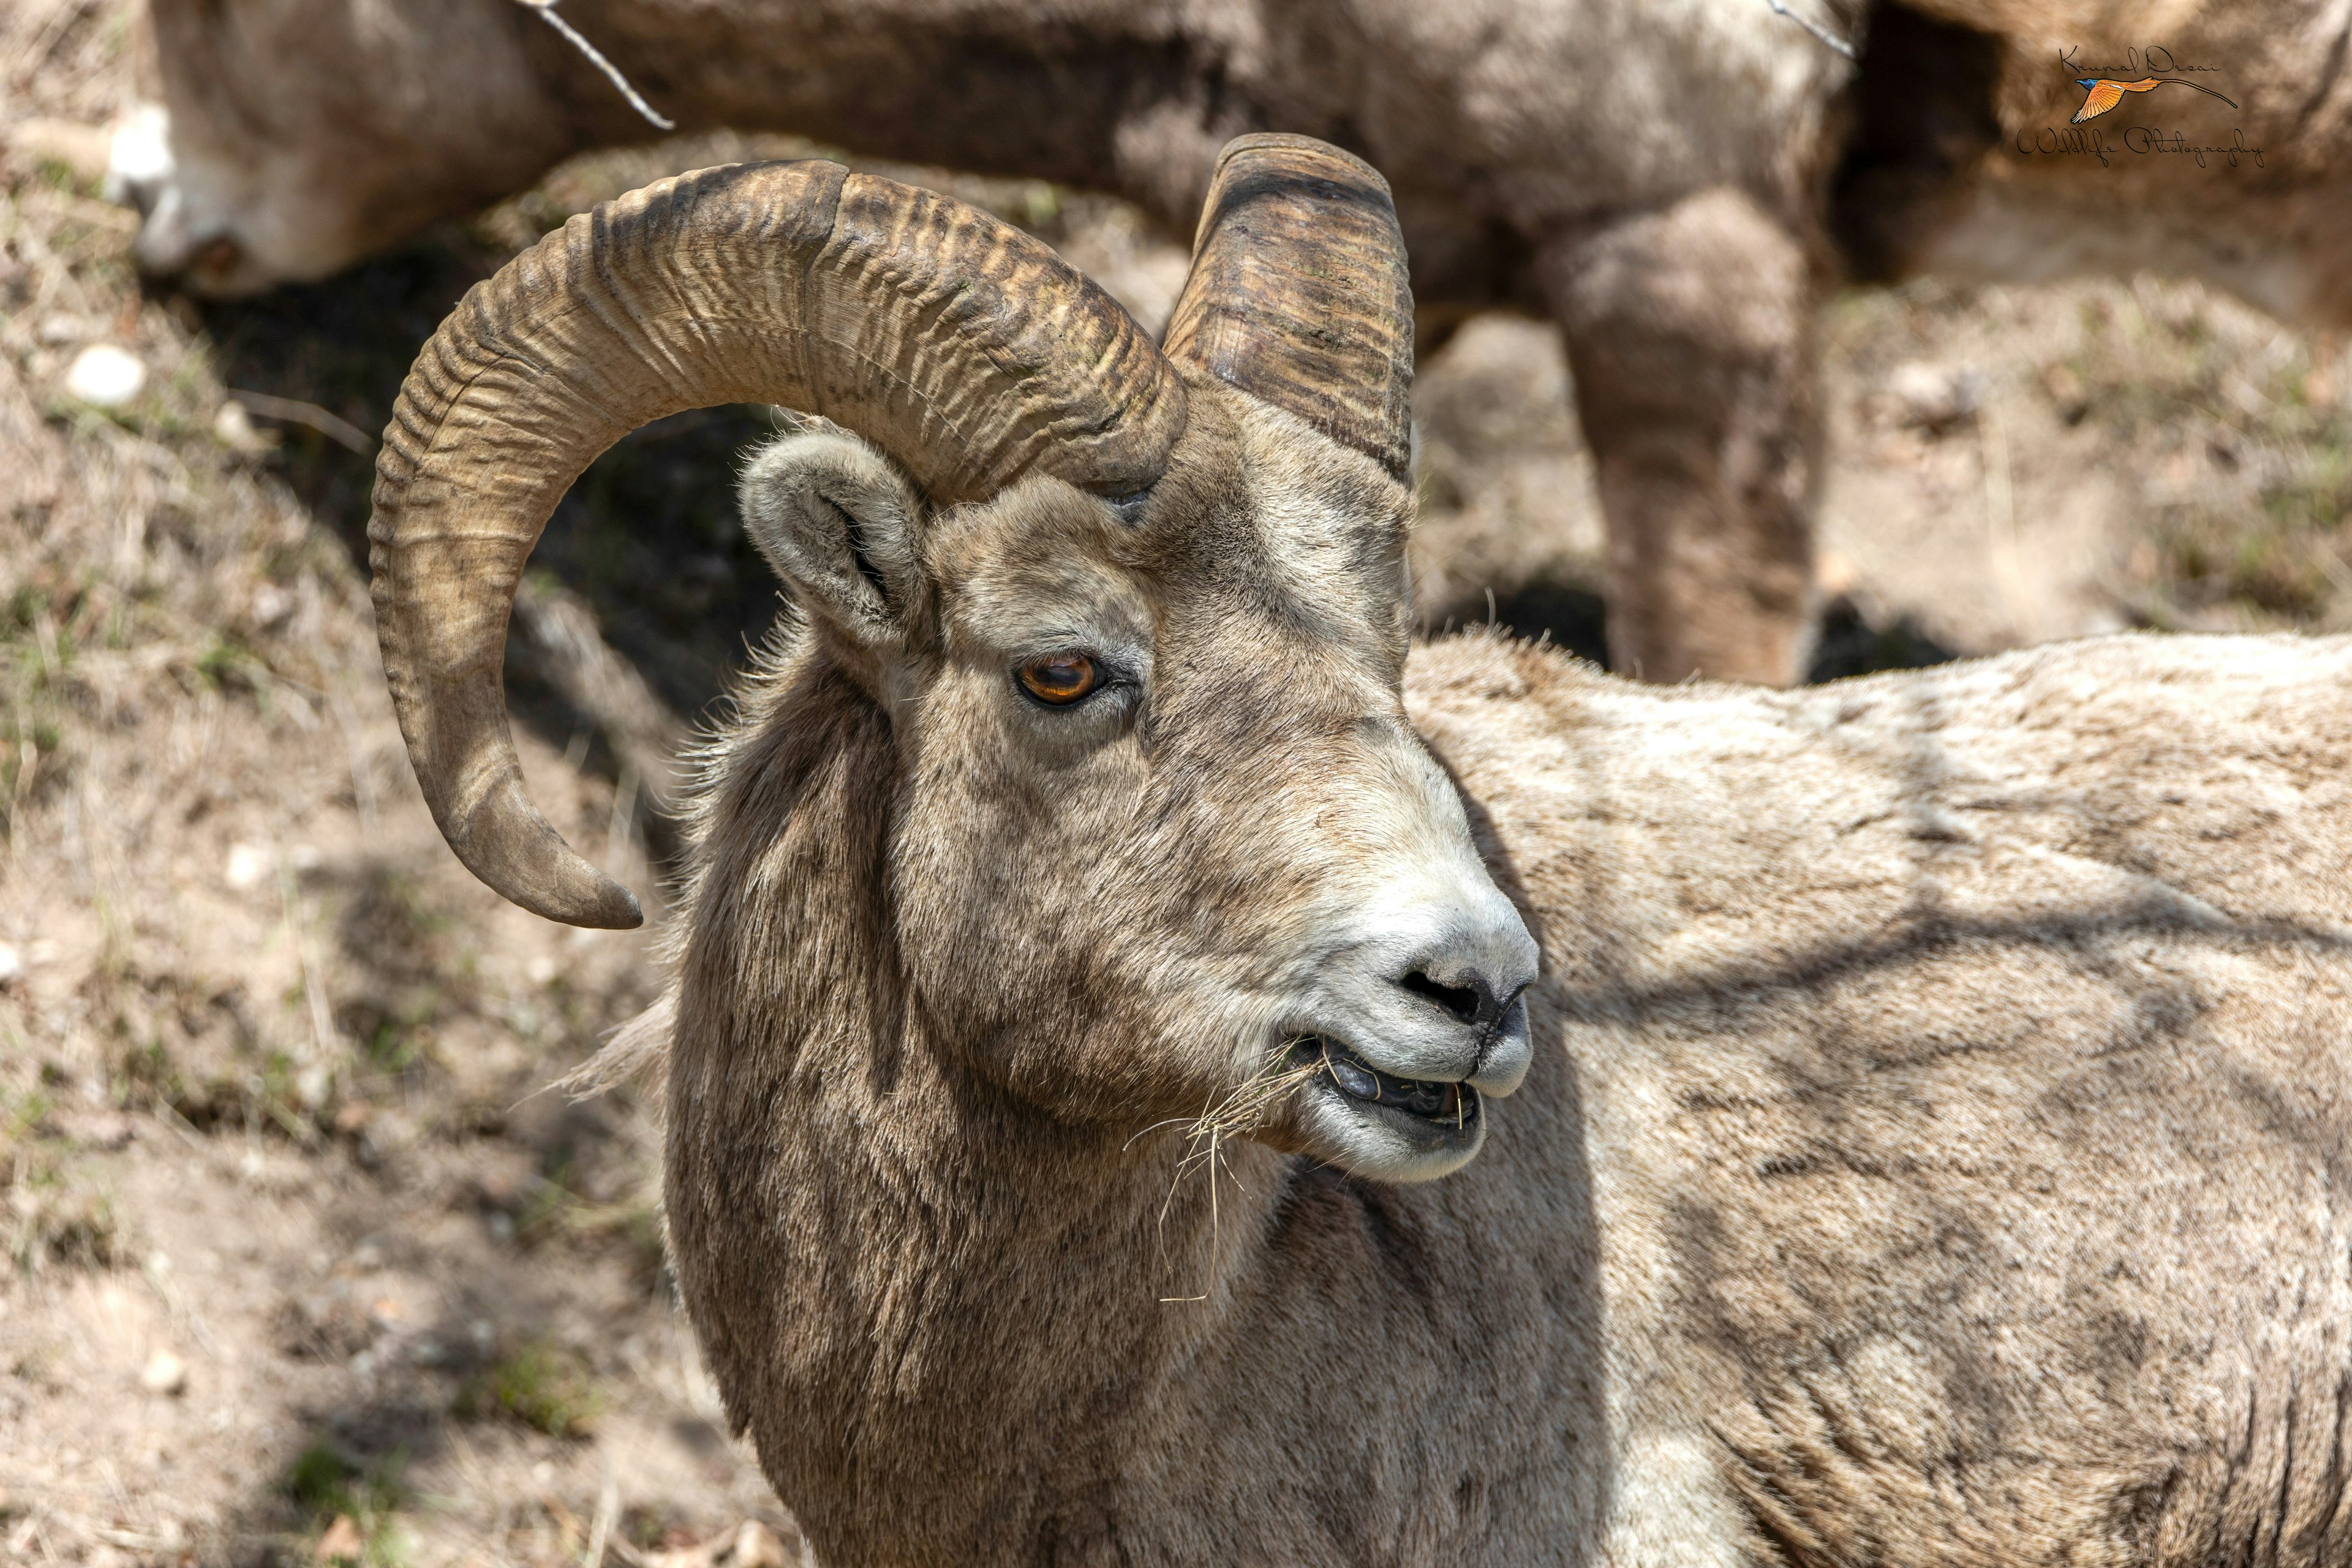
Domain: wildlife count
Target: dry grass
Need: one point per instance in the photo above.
(266, 1058)
(1208, 1136)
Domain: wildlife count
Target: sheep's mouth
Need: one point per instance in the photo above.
(1452, 1106)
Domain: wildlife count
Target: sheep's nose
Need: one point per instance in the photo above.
(1469, 999)
(1468, 985)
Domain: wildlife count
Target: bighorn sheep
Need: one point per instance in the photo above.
(1669, 182)
(1931, 1142)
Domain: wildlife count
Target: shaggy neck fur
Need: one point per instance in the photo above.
(957, 1331)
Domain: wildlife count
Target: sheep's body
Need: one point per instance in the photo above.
(1935, 1155)
(1961, 1063)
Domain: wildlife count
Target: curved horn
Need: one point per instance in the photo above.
(964, 349)
(1298, 292)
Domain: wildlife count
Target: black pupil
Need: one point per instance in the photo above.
(1062, 679)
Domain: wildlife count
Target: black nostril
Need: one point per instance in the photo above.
(1470, 1004)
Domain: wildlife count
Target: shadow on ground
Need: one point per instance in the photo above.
(648, 536)
(1575, 619)
(1851, 644)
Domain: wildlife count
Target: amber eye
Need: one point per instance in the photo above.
(1060, 679)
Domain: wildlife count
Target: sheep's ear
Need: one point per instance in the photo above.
(837, 521)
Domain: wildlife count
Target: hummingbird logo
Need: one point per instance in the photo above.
(2102, 93)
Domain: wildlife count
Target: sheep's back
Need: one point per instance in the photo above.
(1960, 1062)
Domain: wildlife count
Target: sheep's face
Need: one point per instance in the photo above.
(1163, 839)
(300, 137)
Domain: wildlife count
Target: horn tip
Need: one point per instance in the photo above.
(593, 900)
(1310, 147)
(615, 908)
(518, 854)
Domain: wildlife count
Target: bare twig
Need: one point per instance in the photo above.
(1827, 38)
(546, 8)
(608, 1511)
(343, 432)
(2000, 515)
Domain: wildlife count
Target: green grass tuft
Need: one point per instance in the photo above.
(540, 1384)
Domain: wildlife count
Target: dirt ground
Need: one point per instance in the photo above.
(306, 1259)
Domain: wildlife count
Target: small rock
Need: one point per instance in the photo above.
(272, 606)
(757, 1546)
(12, 963)
(164, 1373)
(1935, 396)
(234, 428)
(342, 1542)
(138, 156)
(248, 864)
(540, 971)
(314, 1086)
(352, 1117)
(60, 330)
(105, 376)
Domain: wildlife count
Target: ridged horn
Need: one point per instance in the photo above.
(967, 350)
(1298, 292)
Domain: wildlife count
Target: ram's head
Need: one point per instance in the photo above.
(1115, 638)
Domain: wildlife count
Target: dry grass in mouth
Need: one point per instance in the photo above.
(1240, 1113)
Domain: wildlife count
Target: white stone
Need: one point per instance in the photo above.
(313, 1084)
(233, 427)
(60, 330)
(164, 1373)
(105, 376)
(1936, 397)
(248, 864)
(12, 962)
(139, 158)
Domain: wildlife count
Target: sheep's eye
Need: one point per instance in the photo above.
(1060, 679)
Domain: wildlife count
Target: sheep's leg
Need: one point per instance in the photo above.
(1690, 332)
